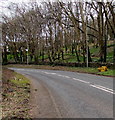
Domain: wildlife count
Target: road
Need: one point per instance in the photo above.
(63, 94)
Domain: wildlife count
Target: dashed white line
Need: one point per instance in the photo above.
(96, 86)
(81, 80)
(66, 76)
(46, 73)
(57, 74)
(53, 73)
(60, 75)
(105, 88)
(92, 85)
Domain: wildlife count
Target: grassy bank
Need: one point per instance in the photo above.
(90, 70)
(15, 95)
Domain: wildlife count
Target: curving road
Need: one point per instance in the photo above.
(62, 94)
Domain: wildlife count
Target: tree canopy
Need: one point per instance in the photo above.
(54, 29)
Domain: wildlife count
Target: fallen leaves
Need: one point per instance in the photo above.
(15, 99)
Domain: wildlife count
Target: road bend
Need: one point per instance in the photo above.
(63, 94)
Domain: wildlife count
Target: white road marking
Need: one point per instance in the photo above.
(46, 72)
(53, 73)
(92, 85)
(96, 86)
(81, 80)
(60, 75)
(19, 69)
(105, 88)
(49, 73)
(66, 76)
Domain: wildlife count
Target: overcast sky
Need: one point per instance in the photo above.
(5, 3)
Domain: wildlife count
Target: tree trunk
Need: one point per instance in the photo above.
(84, 52)
(105, 48)
(42, 55)
(72, 49)
(16, 58)
(5, 60)
(89, 55)
(49, 57)
(35, 59)
(58, 56)
(31, 57)
(62, 55)
(77, 56)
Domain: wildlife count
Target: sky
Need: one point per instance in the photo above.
(5, 3)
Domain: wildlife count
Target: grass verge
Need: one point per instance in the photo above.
(15, 95)
(64, 68)
(107, 73)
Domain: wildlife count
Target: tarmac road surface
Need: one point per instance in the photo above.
(63, 94)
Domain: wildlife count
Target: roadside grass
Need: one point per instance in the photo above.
(15, 95)
(85, 69)
(20, 81)
(65, 68)
(107, 73)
